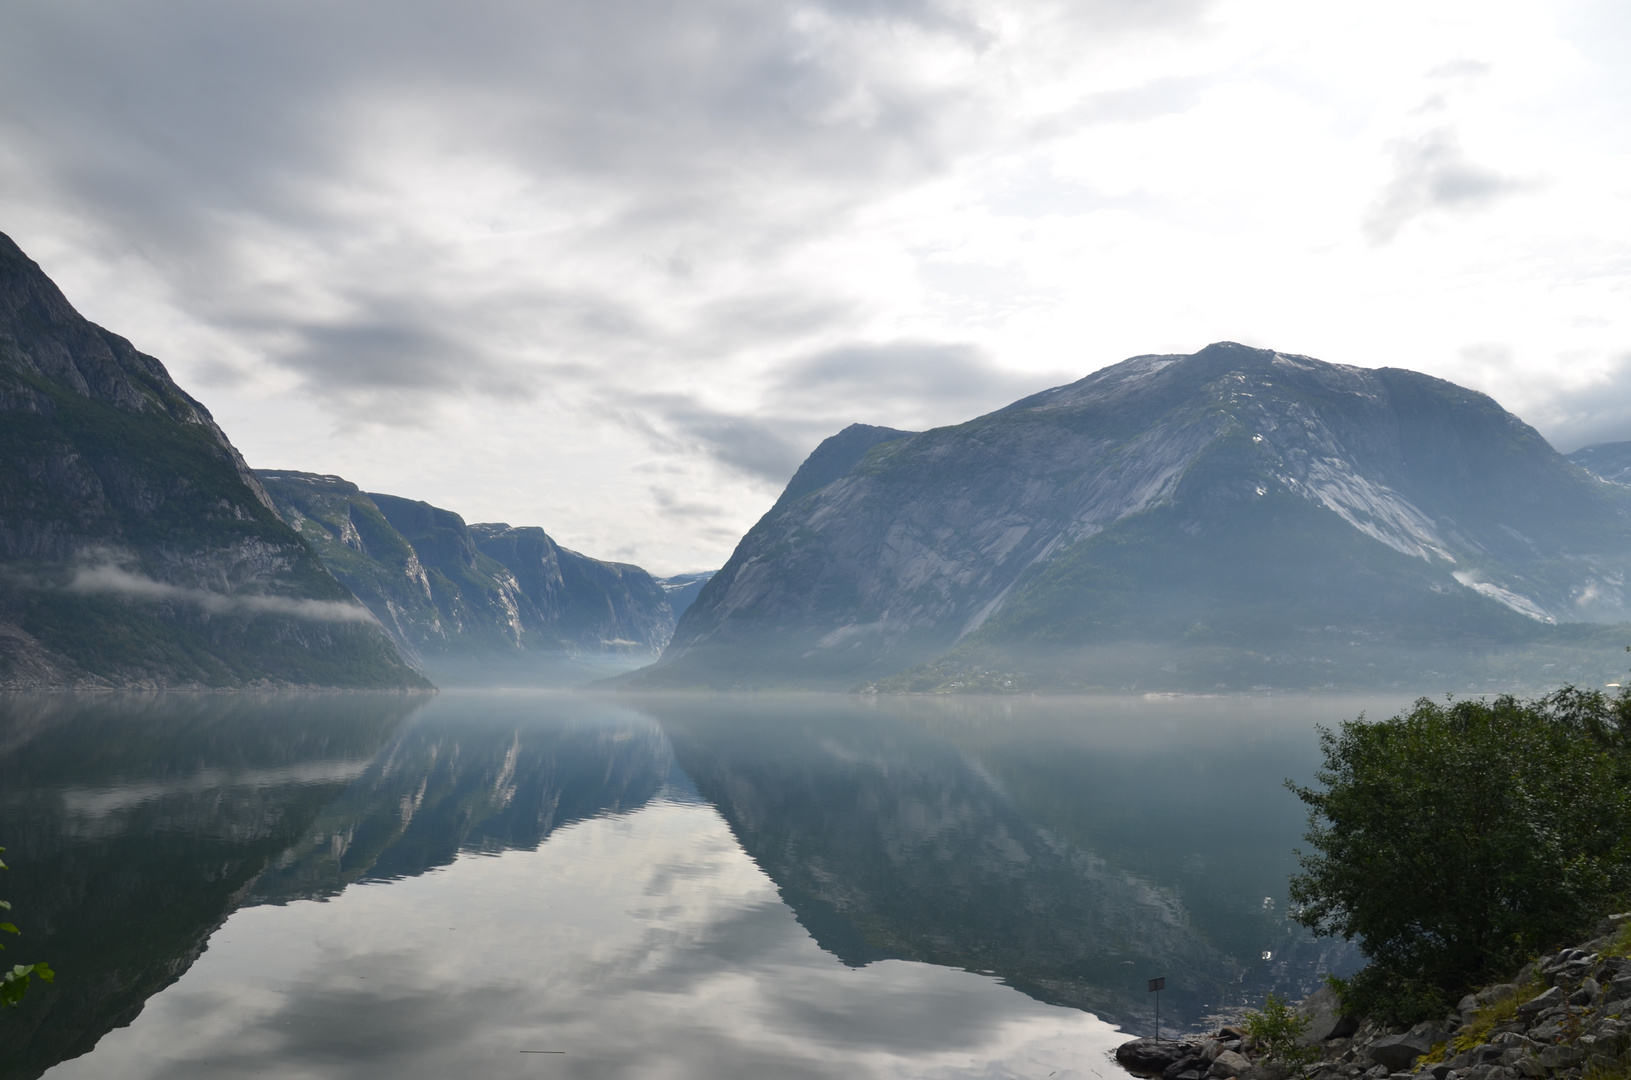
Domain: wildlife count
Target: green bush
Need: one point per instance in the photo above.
(1455, 840)
(1276, 1030)
(14, 983)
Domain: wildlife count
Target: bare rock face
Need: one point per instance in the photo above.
(136, 547)
(1233, 499)
(1611, 461)
(456, 596)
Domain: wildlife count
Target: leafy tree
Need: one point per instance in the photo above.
(14, 983)
(1455, 840)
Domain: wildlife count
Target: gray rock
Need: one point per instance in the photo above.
(1561, 1057)
(1398, 1052)
(1588, 993)
(1612, 924)
(1188, 1063)
(1267, 1070)
(1228, 1064)
(1491, 994)
(1148, 1057)
(1541, 1002)
(1325, 1018)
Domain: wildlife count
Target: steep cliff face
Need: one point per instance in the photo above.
(475, 603)
(683, 589)
(1233, 498)
(136, 547)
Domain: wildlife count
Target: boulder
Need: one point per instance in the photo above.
(1398, 1052)
(1147, 1057)
(1612, 924)
(1561, 1057)
(1325, 1018)
(1227, 1065)
(1194, 1063)
(1540, 1004)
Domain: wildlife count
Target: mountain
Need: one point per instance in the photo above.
(1234, 517)
(483, 604)
(1611, 461)
(136, 547)
(683, 589)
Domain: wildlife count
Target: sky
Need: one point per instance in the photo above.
(615, 267)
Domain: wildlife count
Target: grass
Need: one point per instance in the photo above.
(1492, 1016)
(1621, 945)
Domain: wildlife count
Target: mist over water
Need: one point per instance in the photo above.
(339, 885)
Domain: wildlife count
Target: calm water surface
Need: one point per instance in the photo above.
(749, 886)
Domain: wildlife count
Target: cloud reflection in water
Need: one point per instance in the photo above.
(653, 947)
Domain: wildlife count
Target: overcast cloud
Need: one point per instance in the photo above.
(614, 268)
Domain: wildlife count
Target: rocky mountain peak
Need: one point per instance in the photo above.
(1390, 500)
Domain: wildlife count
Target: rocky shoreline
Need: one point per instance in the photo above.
(1565, 1016)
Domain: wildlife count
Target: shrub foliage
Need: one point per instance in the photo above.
(1457, 839)
(14, 982)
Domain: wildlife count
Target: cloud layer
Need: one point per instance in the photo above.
(111, 579)
(614, 268)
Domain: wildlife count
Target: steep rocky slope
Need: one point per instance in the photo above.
(477, 603)
(683, 589)
(1199, 519)
(1611, 461)
(1565, 1015)
(136, 548)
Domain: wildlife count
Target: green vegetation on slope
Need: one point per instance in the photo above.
(1456, 840)
(136, 548)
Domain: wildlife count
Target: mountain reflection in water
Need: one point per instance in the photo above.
(682, 873)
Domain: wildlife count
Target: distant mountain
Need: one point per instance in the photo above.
(484, 603)
(136, 547)
(1234, 517)
(683, 589)
(1611, 461)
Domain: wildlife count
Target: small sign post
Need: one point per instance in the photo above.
(1156, 986)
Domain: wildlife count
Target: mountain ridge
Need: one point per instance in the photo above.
(1434, 515)
(475, 603)
(136, 546)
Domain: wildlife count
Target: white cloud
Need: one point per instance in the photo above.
(111, 579)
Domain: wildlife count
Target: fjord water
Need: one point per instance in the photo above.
(560, 885)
